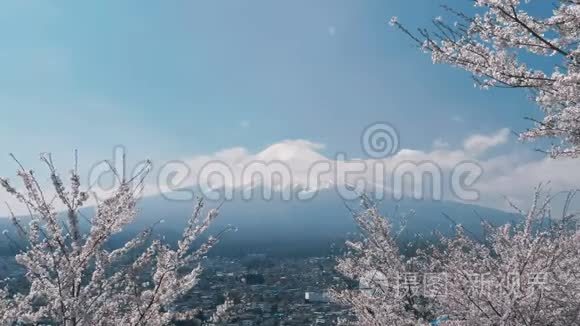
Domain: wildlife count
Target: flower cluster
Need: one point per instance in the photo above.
(522, 274)
(493, 46)
(76, 280)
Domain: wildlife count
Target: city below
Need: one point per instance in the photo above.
(264, 290)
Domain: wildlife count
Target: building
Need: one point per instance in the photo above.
(316, 297)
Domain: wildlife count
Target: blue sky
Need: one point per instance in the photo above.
(175, 79)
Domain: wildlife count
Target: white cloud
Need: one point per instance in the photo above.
(478, 144)
(331, 30)
(245, 124)
(513, 175)
(440, 144)
(457, 118)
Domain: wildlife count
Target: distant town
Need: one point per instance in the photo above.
(265, 290)
(270, 291)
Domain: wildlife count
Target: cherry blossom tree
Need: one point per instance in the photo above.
(387, 292)
(521, 274)
(524, 274)
(494, 45)
(75, 280)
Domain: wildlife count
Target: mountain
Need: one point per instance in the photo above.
(298, 228)
(310, 227)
